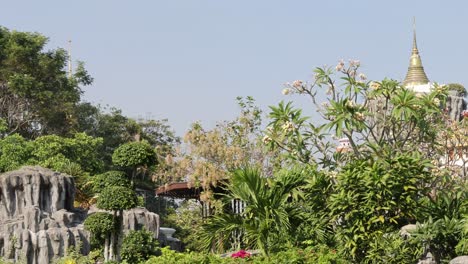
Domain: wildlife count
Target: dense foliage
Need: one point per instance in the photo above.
(37, 96)
(138, 246)
(133, 156)
(287, 191)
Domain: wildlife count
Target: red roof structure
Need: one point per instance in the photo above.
(179, 190)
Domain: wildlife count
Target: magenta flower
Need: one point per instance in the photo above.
(241, 254)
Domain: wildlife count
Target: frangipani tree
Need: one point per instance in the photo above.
(368, 114)
(396, 164)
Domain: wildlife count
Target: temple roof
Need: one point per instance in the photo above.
(415, 75)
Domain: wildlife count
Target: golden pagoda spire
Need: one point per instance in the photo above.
(415, 74)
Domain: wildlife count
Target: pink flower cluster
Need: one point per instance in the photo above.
(241, 254)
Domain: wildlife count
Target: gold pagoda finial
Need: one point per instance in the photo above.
(415, 45)
(415, 74)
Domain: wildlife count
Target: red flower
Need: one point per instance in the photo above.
(464, 113)
(241, 254)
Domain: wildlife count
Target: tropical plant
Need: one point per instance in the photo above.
(440, 237)
(377, 196)
(267, 214)
(370, 115)
(392, 248)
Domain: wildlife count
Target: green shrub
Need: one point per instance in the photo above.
(391, 248)
(110, 178)
(100, 224)
(317, 255)
(74, 257)
(440, 237)
(138, 246)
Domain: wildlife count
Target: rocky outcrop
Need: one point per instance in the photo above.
(455, 105)
(139, 218)
(38, 221)
(136, 219)
(37, 218)
(459, 260)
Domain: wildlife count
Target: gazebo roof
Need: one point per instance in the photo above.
(179, 190)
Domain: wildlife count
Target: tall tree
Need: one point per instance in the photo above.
(37, 96)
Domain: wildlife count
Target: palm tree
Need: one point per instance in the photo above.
(265, 221)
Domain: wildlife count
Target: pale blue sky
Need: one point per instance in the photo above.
(188, 60)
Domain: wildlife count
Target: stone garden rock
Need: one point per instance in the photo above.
(38, 221)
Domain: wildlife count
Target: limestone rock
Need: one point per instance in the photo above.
(455, 106)
(136, 219)
(459, 260)
(37, 218)
(38, 221)
(405, 231)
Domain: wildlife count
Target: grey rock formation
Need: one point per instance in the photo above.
(136, 219)
(405, 231)
(37, 218)
(139, 218)
(455, 105)
(38, 221)
(459, 260)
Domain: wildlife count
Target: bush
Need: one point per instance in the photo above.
(133, 154)
(110, 178)
(117, 198)
(74, 257)
(391, 248)
(100, 225)
(318, 255)
(440, 237)
(138, 246)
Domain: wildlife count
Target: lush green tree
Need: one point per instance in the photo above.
(101, 225)
(76, 156)
(138, 246)
(53, 152)
(15, 151)
(135, 157)
(116, 199)
(377, 196)
(108, 179)
(109, 124)
(37, 95)
(159, 134)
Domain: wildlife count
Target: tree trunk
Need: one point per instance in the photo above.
(111, 246)
(119, 236)
(106, 248)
